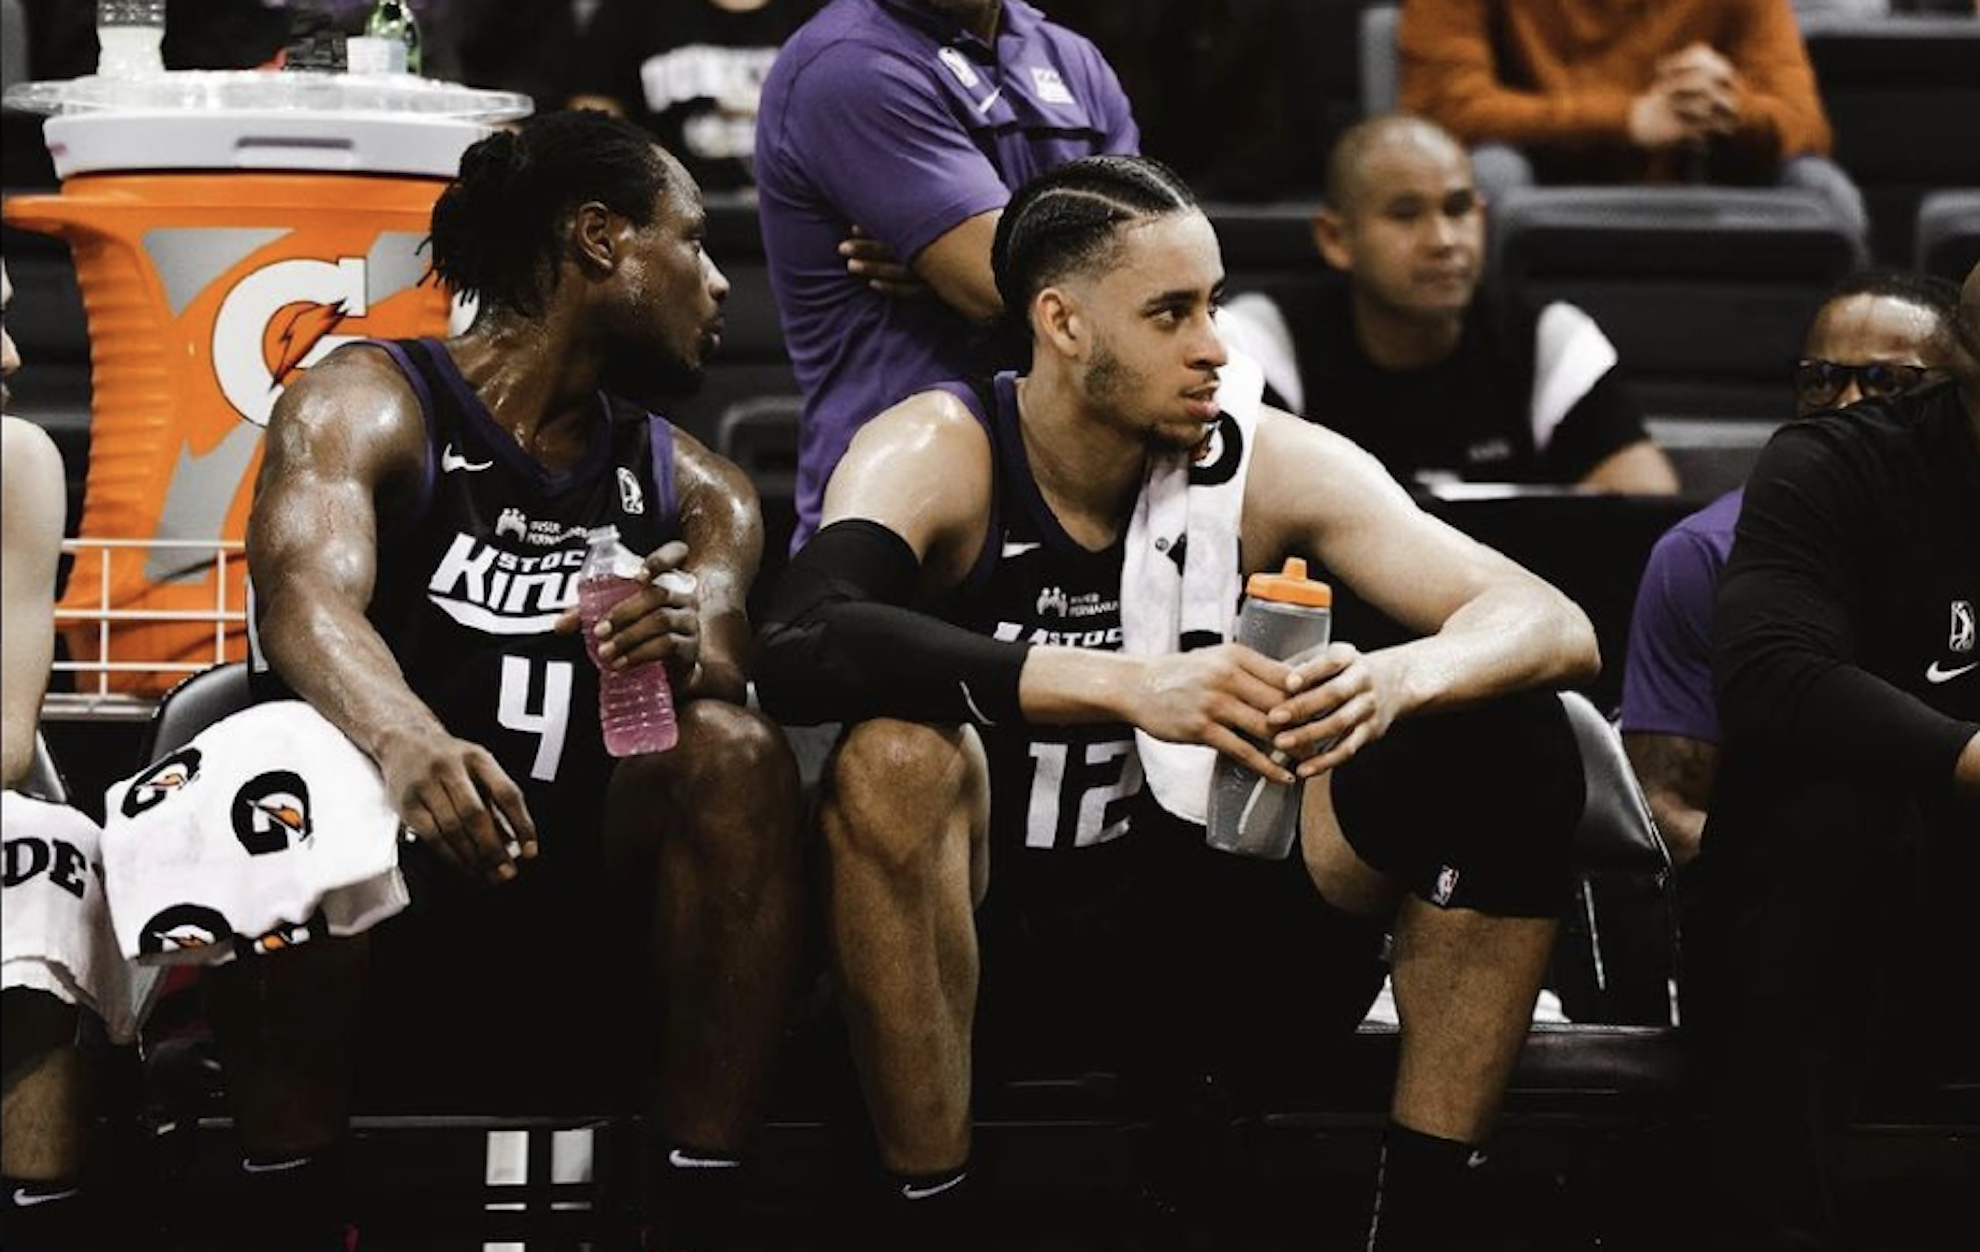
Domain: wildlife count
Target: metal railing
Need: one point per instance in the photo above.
(92, 699)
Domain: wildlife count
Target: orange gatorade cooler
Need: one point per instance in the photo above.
(229, 230)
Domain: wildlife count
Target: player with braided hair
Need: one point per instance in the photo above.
(963, 609)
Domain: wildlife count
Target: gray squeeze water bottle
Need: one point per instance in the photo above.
(1289, 617)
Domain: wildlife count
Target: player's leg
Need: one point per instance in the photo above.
(286, 1026)
(44, 1122)
(1482, 859)
(905, 815)
(728, 922)
(718, 818)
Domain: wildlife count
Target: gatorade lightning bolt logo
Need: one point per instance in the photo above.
(183, 928)
(271, 813)
(286, 935)
(293, 334)
(280, 319)
(162, 781)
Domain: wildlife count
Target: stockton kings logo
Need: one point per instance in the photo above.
(161, 782)
(183, 928)
(271, 813)
(281, 319)
(505, 593)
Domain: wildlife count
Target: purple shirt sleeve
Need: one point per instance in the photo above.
(889, 154)
(1667, 676)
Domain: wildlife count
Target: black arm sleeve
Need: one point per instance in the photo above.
(1791, 610)
(839, 643)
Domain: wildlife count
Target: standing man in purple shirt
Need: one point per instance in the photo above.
(910, 121)
(1877, 334)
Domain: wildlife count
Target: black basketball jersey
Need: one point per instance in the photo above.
(1054, 789)
(474, 574)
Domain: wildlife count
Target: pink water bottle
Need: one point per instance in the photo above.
(636, 704)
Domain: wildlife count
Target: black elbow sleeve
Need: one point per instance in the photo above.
(839, 644)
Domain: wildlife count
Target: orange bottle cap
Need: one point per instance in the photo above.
(1291, 586)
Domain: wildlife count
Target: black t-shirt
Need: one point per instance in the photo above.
(1472, 414)
(1845, 640)
(690, 72)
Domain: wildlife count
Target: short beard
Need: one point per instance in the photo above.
(647, 379)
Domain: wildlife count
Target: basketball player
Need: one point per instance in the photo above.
(962, 610)
(421, 515)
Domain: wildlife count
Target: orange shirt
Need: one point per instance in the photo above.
(1556, 78)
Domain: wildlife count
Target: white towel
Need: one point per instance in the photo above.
(1180, 580)
(1570, 355)
(266, 830)
(57, 935)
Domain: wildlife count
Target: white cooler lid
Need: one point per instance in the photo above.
(264, 120)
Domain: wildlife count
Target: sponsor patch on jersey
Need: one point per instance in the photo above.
(505, 593)
(1055, 601)
(517, 524)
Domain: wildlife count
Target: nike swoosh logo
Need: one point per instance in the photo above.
(681, 1160)
(983, 106)
(25, 1199)
(911, 1192)
(451, 460)
(1940, 674)
(1019, 549)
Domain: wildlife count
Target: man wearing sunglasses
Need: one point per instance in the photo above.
(1828, 923)
(1879, 334)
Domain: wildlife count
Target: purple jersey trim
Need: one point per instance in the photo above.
(428, 419)
(598, 448)
(660, 452)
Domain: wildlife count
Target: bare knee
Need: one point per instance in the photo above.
(730, 788)
(893, 788)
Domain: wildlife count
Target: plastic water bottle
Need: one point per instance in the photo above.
(129, 36)
(636, 704)
(1289, 617)
(392, 21)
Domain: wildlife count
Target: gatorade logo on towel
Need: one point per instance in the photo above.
(162, 781)
(182, 928)
(271, 812)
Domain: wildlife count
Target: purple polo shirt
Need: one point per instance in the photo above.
(1667, 677)
(888, 114)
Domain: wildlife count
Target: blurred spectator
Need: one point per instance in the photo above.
(912, 121)
(691, 72)
(1877, 334)
(1613, 91)
(1411, 364)
(1836, 875)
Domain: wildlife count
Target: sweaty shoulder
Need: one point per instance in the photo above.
(922, 469)
(357, 407)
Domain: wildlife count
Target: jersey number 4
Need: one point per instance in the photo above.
(537, 708)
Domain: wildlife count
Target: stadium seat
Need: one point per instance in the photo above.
(1901, 94)
(1949, 234)
(192, 706)
(44, 778)
(1705, 291)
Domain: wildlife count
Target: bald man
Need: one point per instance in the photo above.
(1837, 866)
(1409, 363)
(1878, 334)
